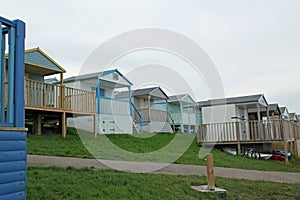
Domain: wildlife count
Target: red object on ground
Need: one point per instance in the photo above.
(278, 157)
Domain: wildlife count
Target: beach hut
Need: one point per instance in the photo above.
(155, 118)
(182, 112)
(114, 115)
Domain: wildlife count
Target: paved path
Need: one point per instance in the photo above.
(162, 168)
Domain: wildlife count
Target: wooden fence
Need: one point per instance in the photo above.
(248, 131)
(153, 115)
(51, 96)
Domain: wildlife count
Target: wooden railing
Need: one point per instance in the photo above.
(154, 115)
(79, 100)
(248, 131)
(51, 96)
(114, 106)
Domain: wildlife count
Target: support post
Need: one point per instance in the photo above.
(11, 73)
(62, 91)
(210, 171)
(95, 125)
(238, 138)
(268, 123)
(98, 97)
(39, 124)
(63, 125)
(260, 131)
(130, 100)
(149, 108)
(286, 152)
(2, 53)
(181, 117)
(246, 116)
(167, 120)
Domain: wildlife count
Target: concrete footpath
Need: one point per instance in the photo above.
(162, 168)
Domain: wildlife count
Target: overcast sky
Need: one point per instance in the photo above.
(254, 44)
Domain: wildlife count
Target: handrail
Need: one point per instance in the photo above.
(170, 115)
(139, 114)
(52, 96)
(253, 130)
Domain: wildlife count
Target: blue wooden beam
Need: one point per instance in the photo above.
(19, 112)
(11, 72)
(98, 96)
(7, 22)
(2, 78)
(130, 100)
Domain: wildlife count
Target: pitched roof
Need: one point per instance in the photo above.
(38, 57)
(82, 77)
(274, 107)
(177, 97)
(93, 75)
(181, 97)
(231, 100)
(38, 62)
(51, 80)
(140, 92)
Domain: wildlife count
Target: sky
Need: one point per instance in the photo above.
(254, 44)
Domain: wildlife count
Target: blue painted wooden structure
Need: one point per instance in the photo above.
(12, 131)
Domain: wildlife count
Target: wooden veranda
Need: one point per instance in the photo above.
(251, 132)
(55, 103)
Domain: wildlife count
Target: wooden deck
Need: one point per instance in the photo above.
(249, 132)
(45, 101)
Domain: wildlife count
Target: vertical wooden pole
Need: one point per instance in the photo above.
(238, 137)
(63, 125)
(247, 123)
(149, 108)
(210, 171)
(286, 152)
(260, 131)
(95, 115)
(39, 124)
(181, 117)
(167, 120)
(268, 123)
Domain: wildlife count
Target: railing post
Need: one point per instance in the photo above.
(62, 91)
(238, 137)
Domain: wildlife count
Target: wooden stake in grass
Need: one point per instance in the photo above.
(210, 171)
(210, 187)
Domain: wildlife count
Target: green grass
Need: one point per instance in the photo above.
(71, 146)
(57, 183)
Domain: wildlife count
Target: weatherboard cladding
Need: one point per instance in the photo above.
(12, 165)
(37, 58)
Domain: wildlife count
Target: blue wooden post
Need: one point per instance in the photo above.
(130, 100)
(19, 74)
(12, 131)
(2, 78)
(98, 96)
(11, 73)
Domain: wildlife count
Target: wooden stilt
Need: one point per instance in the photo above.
(39, 124)
(63, 125)
(286, 152)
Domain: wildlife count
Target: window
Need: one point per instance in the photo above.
(102, 91)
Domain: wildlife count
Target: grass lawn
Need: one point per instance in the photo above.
(58, 183)
(71, 146)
